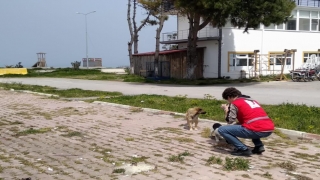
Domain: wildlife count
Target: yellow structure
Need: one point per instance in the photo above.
(4, 71)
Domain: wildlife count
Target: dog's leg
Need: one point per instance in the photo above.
(196, 124)
(189, 124)
(217, 138)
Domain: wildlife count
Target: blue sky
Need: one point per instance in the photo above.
(52, 26)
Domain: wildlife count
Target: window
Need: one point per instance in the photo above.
(314, 21)
(241, 59)
(304, 20)
(306, 55)
(276, 59)
(292, 22)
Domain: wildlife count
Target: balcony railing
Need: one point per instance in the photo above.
(309, 3)
(183, 34)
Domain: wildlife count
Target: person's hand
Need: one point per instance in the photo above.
(224, 107)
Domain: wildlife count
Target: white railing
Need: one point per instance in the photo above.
(183, 34)
(309, 3)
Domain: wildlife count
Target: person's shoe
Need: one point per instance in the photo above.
(239, 152)
(258, 150)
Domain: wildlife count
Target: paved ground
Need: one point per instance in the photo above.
(266, 93)
(89, 141)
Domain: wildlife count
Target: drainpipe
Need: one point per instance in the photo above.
(219, 53)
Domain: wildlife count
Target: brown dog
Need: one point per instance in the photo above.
(192, 116)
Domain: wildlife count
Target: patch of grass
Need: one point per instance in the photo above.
(233, 164)
(280, 134)
(169, 129)
(184, 139)
(136, 109)
(288, 165)
(206, 132)
(32, 131)
(174, 158)
(1, 169)
(289, 116)
(214, 160)
(303, 148)
(245, 176)
(179, 158)
(129, 139)
(67, 93)
(105, 152)
(136, 160)
(186, 153)
(15, 122)
(119, 170)
(158, 155)
(72, 134)
(267, 175)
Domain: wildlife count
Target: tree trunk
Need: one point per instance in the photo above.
(134, 31)
(131, 71)
(156, 55)
(192, 59)
(135, 43)
(194, 22)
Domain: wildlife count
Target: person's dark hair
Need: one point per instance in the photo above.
(230, 92)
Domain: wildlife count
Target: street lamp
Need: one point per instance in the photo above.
(85, 15)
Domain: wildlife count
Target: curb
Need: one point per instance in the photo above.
(291, 133)
(31, 92)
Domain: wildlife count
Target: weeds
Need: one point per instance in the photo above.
(179, 158)
(214, 160)
(120, 170)
(72, 134)
(129, 139)
(288, 165)
(232, 164)
(33, 131)
(267, 175)
(184, 139)
(67, 93)
(136, 160)
(206, 132)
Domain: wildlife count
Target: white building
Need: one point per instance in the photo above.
(229, 50)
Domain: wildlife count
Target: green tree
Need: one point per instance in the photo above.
(242, 14)
(156, 9)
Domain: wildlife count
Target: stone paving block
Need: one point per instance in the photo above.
(99, 128)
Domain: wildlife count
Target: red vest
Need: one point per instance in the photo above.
(252, 116)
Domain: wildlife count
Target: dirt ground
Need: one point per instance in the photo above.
(45, 138)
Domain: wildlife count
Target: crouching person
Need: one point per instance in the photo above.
(254, 122)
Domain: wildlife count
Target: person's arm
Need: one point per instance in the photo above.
(230, 112)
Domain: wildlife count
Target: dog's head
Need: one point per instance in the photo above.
(196, 111)
(216, 125)
(199, 110)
